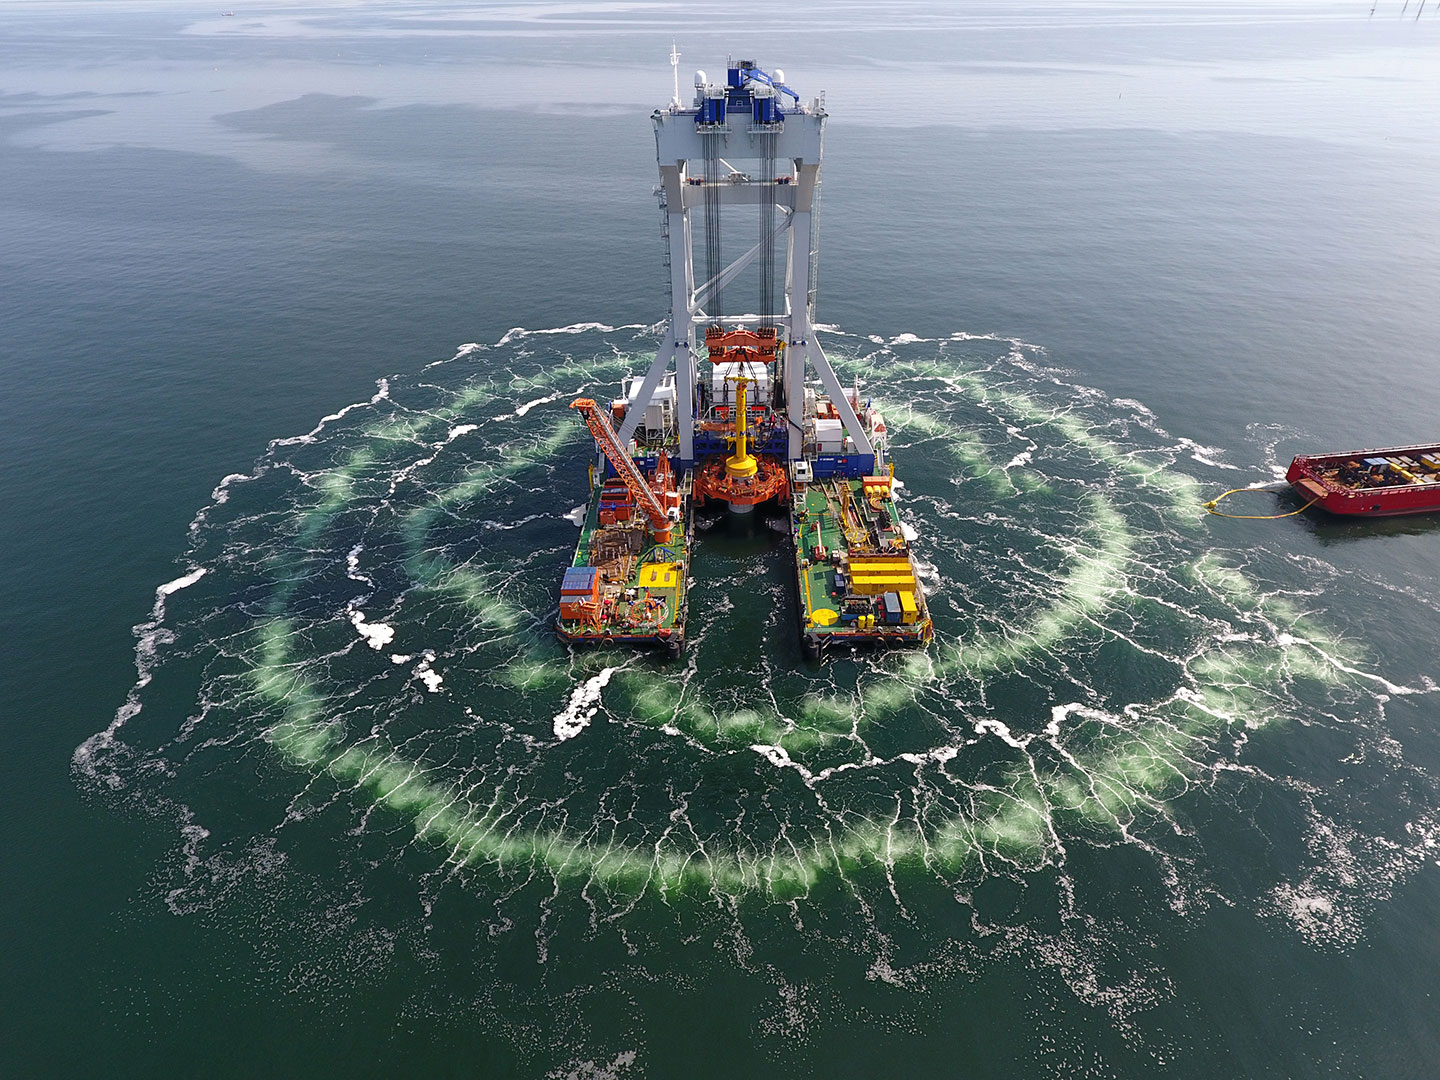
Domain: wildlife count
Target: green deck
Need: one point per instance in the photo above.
(817, 580)
(674, 597)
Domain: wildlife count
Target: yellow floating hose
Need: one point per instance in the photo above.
(1213, 503)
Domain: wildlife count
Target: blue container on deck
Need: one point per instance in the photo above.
(831, 465)
(578, 580)
(890, 607)
(644, 464)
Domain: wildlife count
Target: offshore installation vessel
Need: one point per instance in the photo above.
(740, 410)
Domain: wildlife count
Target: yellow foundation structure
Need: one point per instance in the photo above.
(741, 465)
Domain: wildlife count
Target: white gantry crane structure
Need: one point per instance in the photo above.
(746, 142)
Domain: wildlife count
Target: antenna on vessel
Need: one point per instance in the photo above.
(675, 70)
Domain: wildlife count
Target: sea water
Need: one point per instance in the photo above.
(300, 781)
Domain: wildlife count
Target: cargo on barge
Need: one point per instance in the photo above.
(1371, 483)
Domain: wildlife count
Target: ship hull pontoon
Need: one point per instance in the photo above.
(1371, 483)
(741, 410)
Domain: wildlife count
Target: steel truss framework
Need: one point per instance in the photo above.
(697, 152)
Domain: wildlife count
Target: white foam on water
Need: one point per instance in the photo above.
(428, 675)
(906, 338)
(930, 573)
(1206, 455)
(221, 494)
(170, 588)
(460, 354)
(939, 754)
(1135, 406)
(523, 409)
(575, 328)
(150, 636)
(1390, 687)
(382, 392)
(1058, 716)
(584, 704)
(352, 565)
(1002, 731)
(378, 635)
(1287, 640)
(587, 1069)
(461, 429)
(1315, 916)
(908, 531)
(491, 525)
(380, 395)
(781, 759)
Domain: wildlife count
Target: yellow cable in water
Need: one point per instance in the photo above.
(1210, 506)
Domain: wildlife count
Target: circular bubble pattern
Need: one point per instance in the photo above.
(360, 646)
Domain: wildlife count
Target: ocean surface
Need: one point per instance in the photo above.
(296, 780)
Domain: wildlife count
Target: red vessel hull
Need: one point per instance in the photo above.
(1371, 483)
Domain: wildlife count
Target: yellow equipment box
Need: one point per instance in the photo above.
(660, 575)
(871, 575)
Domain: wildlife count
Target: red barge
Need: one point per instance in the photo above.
(1371, 483)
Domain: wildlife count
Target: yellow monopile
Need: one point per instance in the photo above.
(741, 465)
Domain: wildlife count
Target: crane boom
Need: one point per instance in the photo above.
(614, 452)
(760, 76)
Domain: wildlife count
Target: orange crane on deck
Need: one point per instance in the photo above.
(661, 525)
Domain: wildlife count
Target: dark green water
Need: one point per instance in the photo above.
(1161, 800)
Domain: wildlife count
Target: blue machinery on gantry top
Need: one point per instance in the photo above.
(739, 96)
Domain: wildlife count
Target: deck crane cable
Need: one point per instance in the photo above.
(767, 229)
(767, 237)
(713, 266)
